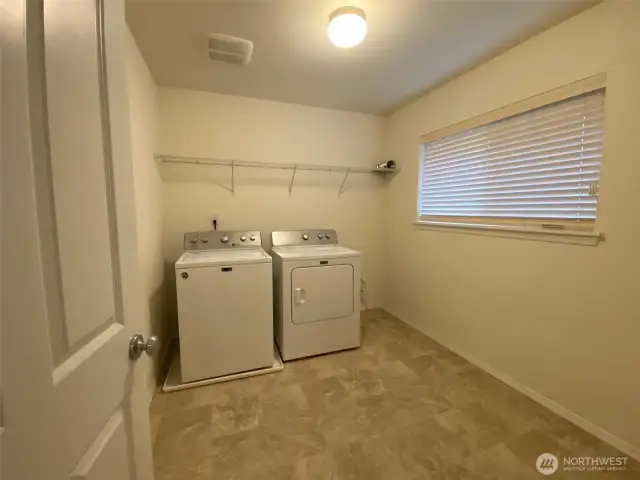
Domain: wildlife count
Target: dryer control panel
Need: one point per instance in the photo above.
(212, 240)
(304, 237)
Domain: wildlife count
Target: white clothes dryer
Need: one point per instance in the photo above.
(316, 293)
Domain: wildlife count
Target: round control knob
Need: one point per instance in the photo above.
(305, 236)
(224, 239)
(193, 242)
(327, 236)
(320, 236)
(252, 238)
(243, 238)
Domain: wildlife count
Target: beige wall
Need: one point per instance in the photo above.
(143, 106)
(561, 320)
(228, 127)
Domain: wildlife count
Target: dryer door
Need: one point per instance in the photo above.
(321, 293)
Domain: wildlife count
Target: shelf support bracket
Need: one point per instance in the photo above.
(233, 178)
(344, 181)
(293, 176)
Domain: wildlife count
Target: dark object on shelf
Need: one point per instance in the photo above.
(388, 165)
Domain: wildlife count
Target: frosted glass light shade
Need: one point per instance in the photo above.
(347, 27)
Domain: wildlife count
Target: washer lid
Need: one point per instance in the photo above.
(207, 258)
(314, 252)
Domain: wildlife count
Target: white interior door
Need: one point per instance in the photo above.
(321, 293)
(71, 293)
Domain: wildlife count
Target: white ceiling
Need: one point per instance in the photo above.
(412, 45)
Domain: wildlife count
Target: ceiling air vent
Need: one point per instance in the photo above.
(228, 49)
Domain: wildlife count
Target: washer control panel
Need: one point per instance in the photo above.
(304, 237)
(212, 240)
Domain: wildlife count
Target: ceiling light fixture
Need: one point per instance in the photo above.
(347, 27)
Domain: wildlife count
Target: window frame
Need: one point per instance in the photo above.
(557, 230)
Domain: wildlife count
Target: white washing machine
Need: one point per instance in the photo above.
(317, 299)
(225, 304)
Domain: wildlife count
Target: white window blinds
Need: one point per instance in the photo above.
(540, 165)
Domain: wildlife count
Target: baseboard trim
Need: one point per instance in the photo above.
(546, 402)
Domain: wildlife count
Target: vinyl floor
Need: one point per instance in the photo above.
(400, 407)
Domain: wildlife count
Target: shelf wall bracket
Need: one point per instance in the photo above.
(293, 176)
(344, 181)
(233, 178)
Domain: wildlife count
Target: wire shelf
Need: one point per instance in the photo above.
(294, 167)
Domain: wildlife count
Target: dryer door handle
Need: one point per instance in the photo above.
(301, 296)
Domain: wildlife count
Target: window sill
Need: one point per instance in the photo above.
(524, 233)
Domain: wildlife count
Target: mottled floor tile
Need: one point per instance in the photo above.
(284, 472)
(369, 458)
(259, 404)
(193, 469)
(284, 403)
(266, 449)
(325, 394)
(366, 357)
(241, 413)
(458, 391)
(529, 446)
(294, 439)
(429, 451)
(346, 424)
(238, 455)
(361, 383)
(183, 445)
(454, 363)
(396, 373)
(456, 421)
(321, 466)
(399, 407)
(427, 441)
(520, 416)
(185, 399)
(426, 367)
(498, 462)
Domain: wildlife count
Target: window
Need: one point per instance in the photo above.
(537, 168)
